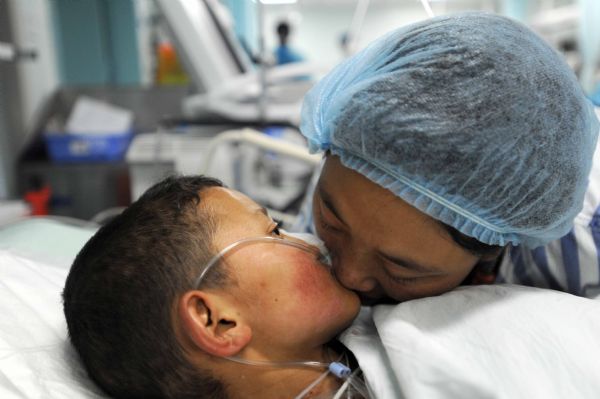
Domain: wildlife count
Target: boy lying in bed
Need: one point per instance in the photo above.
(148, 323)
(144, 326)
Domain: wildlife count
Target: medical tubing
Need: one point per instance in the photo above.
(336, 368)
(340, 370)
(312, 385)
(215, 259)
(358, 384)
(352, 382)
(342, 390)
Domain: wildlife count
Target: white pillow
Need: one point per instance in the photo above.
(46, 239)
(36, 360)
(497, 341)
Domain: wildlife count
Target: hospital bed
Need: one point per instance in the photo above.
(226, 82)
(36, 360)
(495, 341)
(468, 343)
(482, 341)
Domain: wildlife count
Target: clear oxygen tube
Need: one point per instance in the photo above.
(352, 380)
(340, 370)
(297, 243)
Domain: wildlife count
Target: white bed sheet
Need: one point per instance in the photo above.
(479, 342)
(497, 341)
(35, 359)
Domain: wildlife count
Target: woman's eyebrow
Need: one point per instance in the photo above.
(326, 198)
(410, 264)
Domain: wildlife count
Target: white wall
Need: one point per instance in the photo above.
(32, 28)
(317, 25)
(144, 11)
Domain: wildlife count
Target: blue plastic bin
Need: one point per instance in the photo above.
(69, 148)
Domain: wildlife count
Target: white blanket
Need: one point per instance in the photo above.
(475, 342)
(496, 341)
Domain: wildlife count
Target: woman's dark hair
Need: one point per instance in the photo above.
(471, 244)
(122, 287)
(477, 248)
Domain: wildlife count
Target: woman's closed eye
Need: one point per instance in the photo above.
(403, 280)
(401, 274)
(326, 226)
(323, 223)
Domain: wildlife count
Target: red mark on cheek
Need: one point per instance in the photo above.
(310, 277)
(320, 293)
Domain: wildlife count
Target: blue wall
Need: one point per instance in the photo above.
(97, 42)
(245, 17)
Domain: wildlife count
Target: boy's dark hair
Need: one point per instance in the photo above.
(124, 284)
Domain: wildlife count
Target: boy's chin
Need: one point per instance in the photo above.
(352, 314)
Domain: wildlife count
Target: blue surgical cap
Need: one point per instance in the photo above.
(470, 118)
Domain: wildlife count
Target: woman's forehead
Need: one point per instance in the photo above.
(356, 195)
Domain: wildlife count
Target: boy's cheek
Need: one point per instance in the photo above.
(320, 297)
(311, 278)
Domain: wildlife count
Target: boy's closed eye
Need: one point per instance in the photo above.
(277, 228)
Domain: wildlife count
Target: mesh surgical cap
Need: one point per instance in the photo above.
(470, 118)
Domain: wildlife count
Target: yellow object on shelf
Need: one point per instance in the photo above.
(169, 70)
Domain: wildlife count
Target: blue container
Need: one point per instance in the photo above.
(71, 148)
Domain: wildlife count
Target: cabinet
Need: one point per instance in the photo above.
(82, 190)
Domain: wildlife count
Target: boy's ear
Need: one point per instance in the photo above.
(212, 323)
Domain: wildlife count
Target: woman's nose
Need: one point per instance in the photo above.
(352, 272)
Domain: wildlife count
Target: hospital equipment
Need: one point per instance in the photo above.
(8, 52)
(352, 379)
(245, 159)
(253, 240)
(427, 8)
(340, 370)
(336, 368)
(557, 24)
(358, 18)
(229, 90)
(414, 114)
(228, 84)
